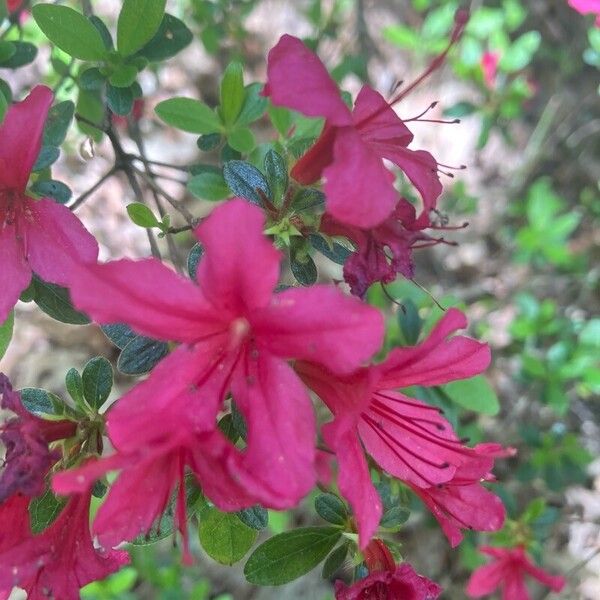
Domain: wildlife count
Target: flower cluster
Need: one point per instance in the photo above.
(243, 342)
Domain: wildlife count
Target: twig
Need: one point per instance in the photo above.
(176, 204)
(85, 195)
(158, 163)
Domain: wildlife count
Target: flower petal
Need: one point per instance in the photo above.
(486, 579)
(321, 325)
(437, 360)
(240, 267)
(278, 465)
(421, 168)
(359, 188)
(354, 478)
(21, 137)
(297, 79)
(15, 273)
(56, 239)
(146, 295)
(376, 120)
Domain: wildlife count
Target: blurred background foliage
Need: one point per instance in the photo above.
(524, 82)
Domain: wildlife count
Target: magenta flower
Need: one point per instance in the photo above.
(25, 438)
(462, 502)
(507, 572)
(402, 583)
(35, 235)
(371, 262)
(489, 66)
(236, 335)
(407, 438)
(59, 561)
(161, 443)
(353, 145)
(586, 7)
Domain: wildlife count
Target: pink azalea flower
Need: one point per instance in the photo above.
(462, 502)
(236, 336)
(353, 145)
(402, 583)
(59, 561)
(507, 572)
(25, 438)
(586, 7)
(406, 437)
(35, 235)
(370, 262)
(162, 442)
(13, 5)
(489, 66)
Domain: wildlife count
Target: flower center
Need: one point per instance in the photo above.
(8, 207)
(238, 331)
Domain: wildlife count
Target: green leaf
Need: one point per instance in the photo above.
(193, 259)
(254, 105)
(103, 31)
(410, 321)
(24, 54)
(3, 106)
(223, 535)
(7, 51)
(120, 99)
(172, 37)
(49, 188)
(334, 251)
(290, 555)
(48, 156)
(119, 334)
(245, 180)
(74, 385)
(123, 76)
(232, 93)
(520, 53)
(242, 140)
(70, 31)
(44, 510)
(141, 355)
(138, 21)
(335, 560)
(91, 79)
(141, 215)
(6, 331)
(209, 186)
(256, 517)
(97, 379)
(56, 302)
(331, 508)
(474, 394)
(460, 109)
(41, 403)
(164, 526)
(188, 115)
(57, 123)
(277, 173)
(209, 142)
(394, 517)
(303, 268)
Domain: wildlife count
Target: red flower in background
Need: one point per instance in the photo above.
(236, 336)
(353, 145)
(57, 562)
(507, 572)
(400, 583)
(489, 66)
(35, 235)
(13, 5)
(25, 438)
(406, 437)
